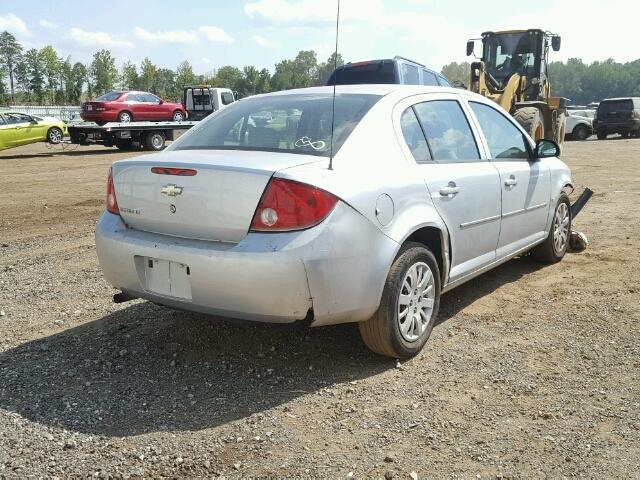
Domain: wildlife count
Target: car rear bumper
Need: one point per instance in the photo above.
(335, 270)
(105, 116)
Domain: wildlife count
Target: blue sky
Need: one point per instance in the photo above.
(214, 33)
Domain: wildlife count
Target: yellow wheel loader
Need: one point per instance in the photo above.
(512, 71)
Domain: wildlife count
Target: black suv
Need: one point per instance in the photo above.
(394, 70)
(618, 115)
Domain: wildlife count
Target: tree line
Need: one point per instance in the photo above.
(580, 82)
(42, 77)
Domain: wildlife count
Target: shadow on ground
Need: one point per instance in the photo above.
(58, 152)
(146, 368)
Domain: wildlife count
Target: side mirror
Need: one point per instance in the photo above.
(555, 43)
(547, 149)
(161, 102)
(470, 45)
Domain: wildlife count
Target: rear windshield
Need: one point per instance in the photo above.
(616, 106)
(109, 97)
(363, 74)
(280, 123)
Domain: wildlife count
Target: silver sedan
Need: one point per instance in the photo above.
(290, 206)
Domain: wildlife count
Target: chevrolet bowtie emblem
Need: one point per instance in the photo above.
(171, 190)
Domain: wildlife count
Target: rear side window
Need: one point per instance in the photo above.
(290, 123)
(443, 81)
(134, 97)
(447, 130)
(414, 136)
(410, 74)
(367, 73)
(429, 78)
(505, 140)
(109, 97)
(2, 121)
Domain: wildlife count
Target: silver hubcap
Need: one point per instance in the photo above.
(561, 227)
(415, 303)
(156, 140)
(125, 117)
(177, 117)
(55, 136)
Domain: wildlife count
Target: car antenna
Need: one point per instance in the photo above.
(333, 102)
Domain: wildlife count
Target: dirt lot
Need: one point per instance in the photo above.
(532, 371)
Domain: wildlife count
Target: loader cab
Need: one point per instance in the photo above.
(522, 52)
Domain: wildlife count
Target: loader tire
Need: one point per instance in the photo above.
(531, 120)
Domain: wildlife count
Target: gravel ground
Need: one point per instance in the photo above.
(532, 371)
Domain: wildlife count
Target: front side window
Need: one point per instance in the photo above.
(505, 140)
(447, 130)
(414, 136)
(282, 123)
(227, 98)
(2, 120)
(13, 118)
(149, 98)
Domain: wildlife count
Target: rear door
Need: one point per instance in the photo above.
(464, 188)
(525, 182)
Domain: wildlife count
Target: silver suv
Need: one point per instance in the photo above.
(260, 213)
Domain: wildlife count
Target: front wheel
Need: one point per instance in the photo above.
(54, 135)
(409, 305)
(580, 133)
(178, 116)
(552, 250)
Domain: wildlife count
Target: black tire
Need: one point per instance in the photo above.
(54, 135)
(154, 141)
(178, 116)
(601, 135)
(624, 134)
(531, 120)
(381, 333)
(547, 252)
(580, 133)
(101, 123)
(125, 117)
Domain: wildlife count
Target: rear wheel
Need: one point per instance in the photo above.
(409, 305)
(178, 116)
(154, 141)
(125, 117)
(601, 135)
(54, 135)
(552, 250)
(624, 134)
(580, 133)
(531, 120)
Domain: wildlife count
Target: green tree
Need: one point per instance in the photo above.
(35, 73)
(164, 84)
(10, 52)
(325, 69)
(297, 73)
(250, 80)
(458, 72)
(228, 77)
(51, 70)
(264, 81)
(147, 74)
(80, 77)
(129, 78)
(103, 72)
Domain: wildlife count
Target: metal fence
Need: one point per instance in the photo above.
(62, 112)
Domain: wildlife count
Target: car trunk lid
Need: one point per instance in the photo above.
(216, 203)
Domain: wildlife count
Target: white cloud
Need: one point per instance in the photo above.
(98, 39)
(174, 36)
(47, 24)
(263, 42)
(215, 34)
(14, 24)
(282, 11)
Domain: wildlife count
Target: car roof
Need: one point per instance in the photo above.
(372, 89)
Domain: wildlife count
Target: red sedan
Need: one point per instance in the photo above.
(120, 106)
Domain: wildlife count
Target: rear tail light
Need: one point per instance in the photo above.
(112, 202)
(287, 205)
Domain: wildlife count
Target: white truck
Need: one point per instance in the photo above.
(202, 100)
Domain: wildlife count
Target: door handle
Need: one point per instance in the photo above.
(510, 182)
(450, 190)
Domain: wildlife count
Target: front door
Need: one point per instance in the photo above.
(465, 189)
(525, 181)
(6, 134)
(24, 131)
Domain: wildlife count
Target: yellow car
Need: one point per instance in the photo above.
(21, 129)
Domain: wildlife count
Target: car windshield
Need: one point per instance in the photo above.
(364, 73)
(109, 97)
(510, 53)
(615, 106)
(281, 123)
